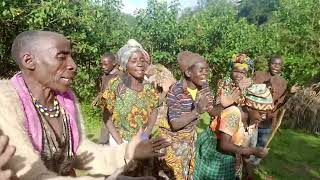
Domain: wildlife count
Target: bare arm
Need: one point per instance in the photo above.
(184, 120)
(227, 146)
(96, 99)
(178, 119)
(112, 129)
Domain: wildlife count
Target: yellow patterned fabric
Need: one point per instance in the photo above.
(130, 109)
(241, 66)
(179, 161)
(242, 62)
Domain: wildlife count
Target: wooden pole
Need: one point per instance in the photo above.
(277, 127)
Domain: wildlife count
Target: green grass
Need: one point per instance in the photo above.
(293, 154)
(93, 121)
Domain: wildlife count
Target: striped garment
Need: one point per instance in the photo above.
(180, 101)
(179, 160)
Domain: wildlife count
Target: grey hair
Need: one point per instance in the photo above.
(125, 53)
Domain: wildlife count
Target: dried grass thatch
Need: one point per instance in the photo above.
(303, 110)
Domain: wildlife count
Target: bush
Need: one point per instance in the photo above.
(215, 29)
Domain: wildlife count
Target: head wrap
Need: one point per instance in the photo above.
(242, 61)
(258, 97)
(160, 75)
(186, 59)
(128, 49)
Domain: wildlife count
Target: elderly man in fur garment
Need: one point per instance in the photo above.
(41, 117)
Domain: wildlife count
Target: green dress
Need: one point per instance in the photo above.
(130, 109)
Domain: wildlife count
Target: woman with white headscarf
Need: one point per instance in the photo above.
(156, 74)
(130, 103)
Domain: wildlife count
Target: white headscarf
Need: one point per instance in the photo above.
(128, 49)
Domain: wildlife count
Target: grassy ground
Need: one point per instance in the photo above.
(294, 155)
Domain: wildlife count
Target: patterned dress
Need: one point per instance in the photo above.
(130, 109)
(130, 112)
(179, 160)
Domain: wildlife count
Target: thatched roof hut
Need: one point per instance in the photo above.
(303, 109)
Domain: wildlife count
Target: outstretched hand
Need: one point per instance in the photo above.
(6, 153)
(82, 160)
(140, 148)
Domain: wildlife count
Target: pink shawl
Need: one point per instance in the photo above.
(31, 118)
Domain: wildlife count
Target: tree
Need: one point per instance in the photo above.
(257, 11)
(158, 31)
(93, 27)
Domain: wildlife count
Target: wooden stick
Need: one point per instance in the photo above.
(276, 128)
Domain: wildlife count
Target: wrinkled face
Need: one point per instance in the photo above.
(198, 73)
(275, 66)
(54, 66)
(256, 115)
(238, 74)
(107, 65)
(136, 66)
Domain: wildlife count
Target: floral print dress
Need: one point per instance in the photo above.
(130, 109)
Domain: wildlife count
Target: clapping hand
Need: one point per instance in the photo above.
(202, 103)
(244, 83)
(295, 88)
(6, 153)
(228, 99)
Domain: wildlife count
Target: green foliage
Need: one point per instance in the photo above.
(214, 29)
(257, 11)
(92, 121)
(157, 29)
(93, 27)
(298, 25)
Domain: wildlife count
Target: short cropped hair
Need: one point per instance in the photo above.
(274, 57)
(109, 55)
(27, 41)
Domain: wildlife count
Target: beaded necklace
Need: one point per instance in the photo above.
(50, 112)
